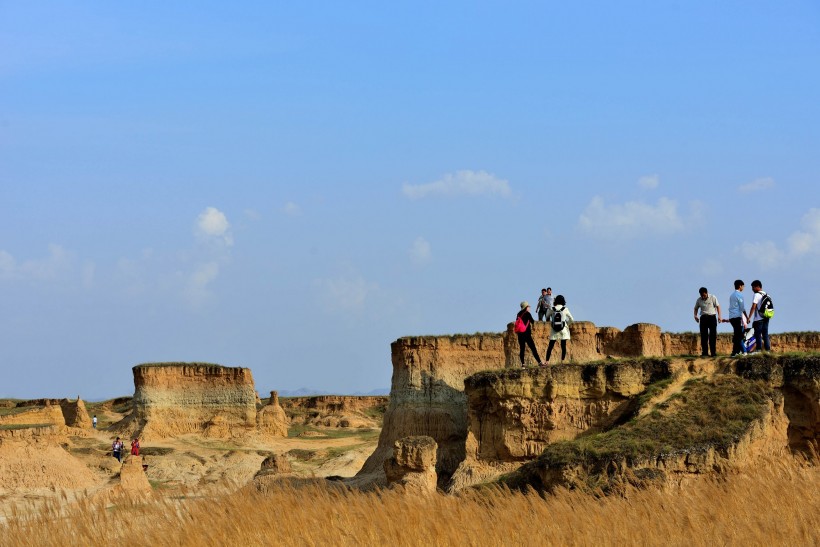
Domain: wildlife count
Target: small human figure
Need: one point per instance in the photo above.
(525, 338)
(759, 323)
(116, 449)
(738, 318)
(544, 304)
(135, 447)
(94, 421)
(709, 318)
(560, 319)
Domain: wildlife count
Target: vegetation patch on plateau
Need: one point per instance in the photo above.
(704, 414)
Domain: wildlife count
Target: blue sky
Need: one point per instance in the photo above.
(291, 187)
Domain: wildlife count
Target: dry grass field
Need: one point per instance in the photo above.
(779, 504)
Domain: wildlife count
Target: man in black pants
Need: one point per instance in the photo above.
(709, 318)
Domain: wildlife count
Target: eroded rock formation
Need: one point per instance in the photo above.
(344, 411)
(427, 392)
(271, 418)
(413, 465)
(177, 398)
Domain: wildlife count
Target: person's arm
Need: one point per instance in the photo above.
(696, 313)
(717, 307)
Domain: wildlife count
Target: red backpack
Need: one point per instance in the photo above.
(520, 326)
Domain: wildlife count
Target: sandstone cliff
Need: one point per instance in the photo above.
(345, 411)
(427, 395)
(271, 418)
(427, 390)
(177, 398)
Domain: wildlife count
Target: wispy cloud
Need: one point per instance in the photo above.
(461, 183)
(632, 219)
(801, 243)
(756, 185)
(196, 289)
(649, 181)
(346, 294)
(420, 252)
(291, 209)
(212, 224)
(57, 263)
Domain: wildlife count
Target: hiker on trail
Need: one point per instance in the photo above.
(738, 318)
(94, 421)
(116, 449)
(544, 304)
(709, 318)
(135, 447)
(523, 328)
(560, 319)
(759, 322)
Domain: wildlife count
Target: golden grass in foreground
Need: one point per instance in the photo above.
(780, 504)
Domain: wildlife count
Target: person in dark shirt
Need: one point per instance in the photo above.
(525, 337)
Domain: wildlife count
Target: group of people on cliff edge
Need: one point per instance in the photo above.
(555, 312)
(759, 314)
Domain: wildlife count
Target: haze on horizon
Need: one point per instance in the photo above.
(290, 188)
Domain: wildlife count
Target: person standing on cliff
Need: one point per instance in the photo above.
(525, 337)
(738, 318)
(135, 447)
(544, 304)
(94, 421)
(759, 322)
(560, 319)
(709, 318)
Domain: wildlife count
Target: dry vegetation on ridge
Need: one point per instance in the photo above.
(779, 503)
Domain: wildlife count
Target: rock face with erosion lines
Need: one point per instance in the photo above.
(413, 465)
(173, 399)
(427, 393)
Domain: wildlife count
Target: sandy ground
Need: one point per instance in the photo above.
(64, 467)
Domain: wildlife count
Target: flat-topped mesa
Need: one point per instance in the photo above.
(177, 398)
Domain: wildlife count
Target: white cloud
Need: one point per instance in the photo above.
(349, 294)
(799, 244)
(212, 224)
(196, 290)
(462, 183)
(291, 209)
(420, 252)
(756, 185)
(58, 263)
(649, 181)
(631, 219)
(765, 253)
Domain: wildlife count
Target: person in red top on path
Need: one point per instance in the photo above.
(135, 447)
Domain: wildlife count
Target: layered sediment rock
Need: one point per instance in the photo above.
(75, 413)
(427, 391)
(271, 418)
(413, 465)
(174, 399)
(514, 415)
(427, 395)
(47, 415)
(344, 411)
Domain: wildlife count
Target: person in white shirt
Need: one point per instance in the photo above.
(759, 323)
(709, 318)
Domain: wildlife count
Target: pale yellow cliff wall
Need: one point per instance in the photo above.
(174, 399)
(427, 389)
